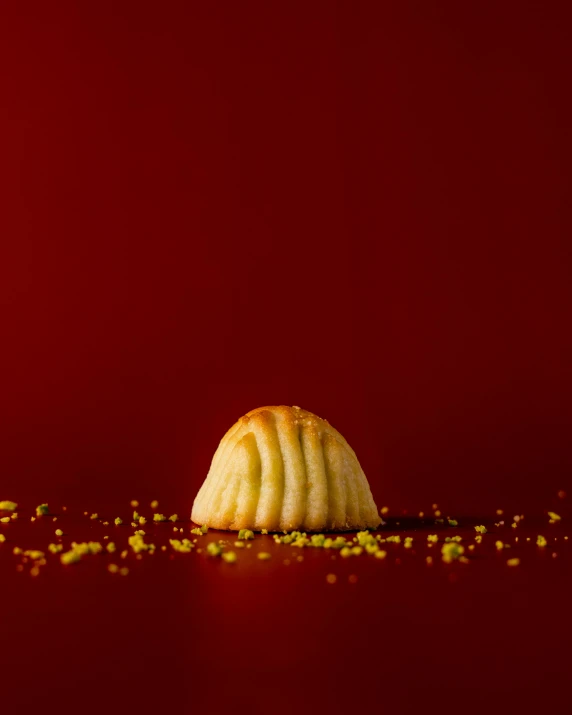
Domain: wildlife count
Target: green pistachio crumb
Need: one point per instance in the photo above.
(245, 534)
(214, 549)
(451, 551)
(8, 505)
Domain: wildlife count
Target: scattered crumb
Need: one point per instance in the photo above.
(384, 510)
(451, 551)
(481, 529)
(94, 516)
(138, 544)
(264, 531)
(380, 554)
(553, 517)
(429, 560)
(154, 504)
(229, 556)
(8, 505)
(331, 578)
(513, 562)
(245, 534)
(118, 521)
(123, 571)
(453, 522)
(541, 541)
(159, 517)
(432, 538)
(437, 513)
(214, 549)
(500, 512)
(183, 547)
(59, 532)
(173, 517)
(113, 568)
(2, 538)
(408, 542)
(5, 519)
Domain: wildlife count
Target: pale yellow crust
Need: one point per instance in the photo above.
(283, 468)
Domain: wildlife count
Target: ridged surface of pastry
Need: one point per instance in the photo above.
(283, 468)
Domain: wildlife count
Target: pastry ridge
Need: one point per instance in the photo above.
(283, 468)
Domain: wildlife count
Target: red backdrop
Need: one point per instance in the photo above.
(359, 208)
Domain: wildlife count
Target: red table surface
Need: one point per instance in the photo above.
(190, 632)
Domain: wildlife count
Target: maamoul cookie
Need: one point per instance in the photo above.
(283, 468)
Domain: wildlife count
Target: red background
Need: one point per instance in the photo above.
(360, 208)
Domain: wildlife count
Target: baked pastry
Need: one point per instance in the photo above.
(280, 469)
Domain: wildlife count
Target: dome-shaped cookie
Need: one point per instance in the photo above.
(282, 468)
